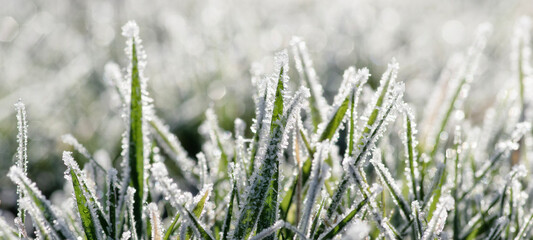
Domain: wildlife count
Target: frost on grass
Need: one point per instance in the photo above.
(293, 161)
(38, 206)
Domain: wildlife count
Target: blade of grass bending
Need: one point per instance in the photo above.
(37, 201)
(201, 230)
(385, 176)
(331, 233)
(199, 207)
(172, 227)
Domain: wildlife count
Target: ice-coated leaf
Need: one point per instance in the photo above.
(86, 208)
(385, 176)
(261, 181)
(155, 222)
(7, 232)
(412, 171)
(229, 213)
(318, 173)
(39, 207)
(22, 149)
(308, 77)
(331, 233)
(139, 111)
(436, 224)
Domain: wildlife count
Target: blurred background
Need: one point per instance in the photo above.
(200, 53)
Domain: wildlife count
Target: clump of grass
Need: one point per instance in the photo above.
(289, 179)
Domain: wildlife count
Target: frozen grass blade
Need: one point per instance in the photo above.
(331, 233)
(22, 150)
(412, 171)
(462, 81)
(308, 77)
(137, 134)
(7, 232)
(200, 201)
(436, 224)
(155, 222)
(387, 99)
(525, 229)
(385, 176)
(317, 178)
(172, 227)
(269, 209)
(39, 207)
(229, 213)
(86, 208)
(202, 233)
(349, 95)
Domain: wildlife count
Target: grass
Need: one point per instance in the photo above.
(308, 170)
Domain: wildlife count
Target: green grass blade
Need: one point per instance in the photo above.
(317, 219)
(199, 207)
(229, 213)
(37, 201)
(270, 206)
(203, 234)
(340, 225)
(525, 229)
(83, 209)
(136, 134)
(335, 122)
(172, 227)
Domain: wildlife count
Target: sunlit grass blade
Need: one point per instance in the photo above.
(86, 208)
(200, 201)
(412, 171)
(386, 178)
(229, 213)
(22, 149)
(436, 224)
(525, 229)
(318, 173)
(7, 232)
(155, 222)
(262, 180)
(316, 220)
(278, 226)
(203, 234)
(40, 207)
(269, 210)
(172, 227)
(138, 111)
(331, 233)
(308, 77)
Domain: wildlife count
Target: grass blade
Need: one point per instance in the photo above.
(40, 207)
(86, 208)
(341, 224)
(229, 213)
(137, 134)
